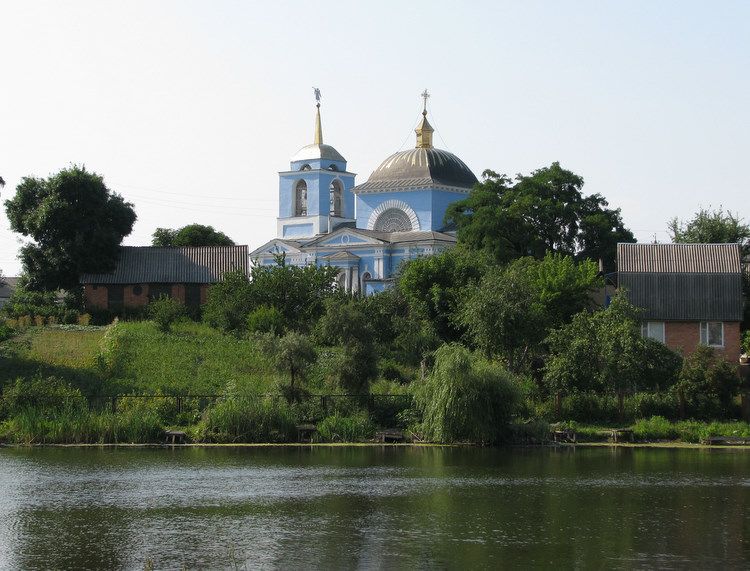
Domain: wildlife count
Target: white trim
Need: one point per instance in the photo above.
(411, 188)
(387, 205)
(704, 336)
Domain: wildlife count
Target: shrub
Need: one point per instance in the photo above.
(466, 398)
(40, 393)
(707, 385)
(646, 405)
(655, 428)
(165, 311)
(6, 331)
(354, 428)
(589, 407)
(746, 342)
(265, 319)
(242, 419)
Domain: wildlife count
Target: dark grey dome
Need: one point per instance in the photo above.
(419, 168)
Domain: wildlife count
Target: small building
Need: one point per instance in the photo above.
(7, 285)
(144, 273)
(691, 294)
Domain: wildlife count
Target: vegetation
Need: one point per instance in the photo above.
(466, 398)
(487, 342)
(536, 214)
(190, 235)
(75, 224)
(712, 227)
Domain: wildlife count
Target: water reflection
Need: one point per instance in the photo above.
(373, 507)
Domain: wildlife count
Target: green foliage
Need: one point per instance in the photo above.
(510, 311)
(646, 405)
(297, 293)
(76, 225)
(706, 385)
(354, 428)
(604, 351)
(165, 311)
(294, 353)
(654, 428)
(49, 393)
(265, 319)
(746, 343)
(6, 331)
(242, 419)
(345, 323)
(433, 287)
(466, 398)
(24, 301)
(190, 235)
(539, 213)
(229, 302)
(712, 227)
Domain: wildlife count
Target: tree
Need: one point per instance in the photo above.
(510, 311)
(712, 227)
(76, 225)
(190, 235)
(434, 285)
(297, 293)
(345, 323)
(707, 384)
(466, 398)
(543, 212)
(294, 353)
(604, 351)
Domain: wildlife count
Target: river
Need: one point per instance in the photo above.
(373, 507)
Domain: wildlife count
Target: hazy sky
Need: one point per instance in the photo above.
(189, 109)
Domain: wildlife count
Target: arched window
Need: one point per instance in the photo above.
(305, 167)
(300, 199)
(333, 168)
(336, 192)
(393, 220)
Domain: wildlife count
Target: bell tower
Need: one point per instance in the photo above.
(315, 193)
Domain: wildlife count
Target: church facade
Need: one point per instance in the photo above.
(366, 230)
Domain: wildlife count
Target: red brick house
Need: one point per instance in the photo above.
(691, 294)
(144, 273)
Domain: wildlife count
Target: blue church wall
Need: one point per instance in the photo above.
(318, 192)
(440, 202)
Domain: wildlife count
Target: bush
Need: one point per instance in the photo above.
(242, 419)
(354, 428)
(589, 407)
(165, 311)
(655, 428)
(265, 319)
(41, 393)
(746, 341)
(6, 331)
(707, 385)
(647, 405)
(466, 398)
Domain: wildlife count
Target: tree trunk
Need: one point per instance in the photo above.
(620, 404)
(681, 398)
(558, 404)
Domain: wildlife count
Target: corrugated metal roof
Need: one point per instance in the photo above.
(685, 296)
(146, 264)
(679, 258)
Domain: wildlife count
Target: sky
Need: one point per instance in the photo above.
(190, 109)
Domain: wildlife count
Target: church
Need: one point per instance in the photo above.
(366, 230)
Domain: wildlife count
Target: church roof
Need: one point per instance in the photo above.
(315, 152)
(421, 167)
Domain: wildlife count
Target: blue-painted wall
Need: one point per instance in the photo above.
(429, 205)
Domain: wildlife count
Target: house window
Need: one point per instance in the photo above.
(712, 333)
(653, 330)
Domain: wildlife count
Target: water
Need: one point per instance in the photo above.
(372, 507)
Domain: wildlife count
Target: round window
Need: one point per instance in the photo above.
(137, 290)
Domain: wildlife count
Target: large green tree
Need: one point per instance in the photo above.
(509, 312)
(75, 224)
(191, 235)
(545, 211)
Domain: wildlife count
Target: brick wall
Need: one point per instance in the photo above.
(178, 292)
(95, 296)
(684, 337)
(133, 299)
